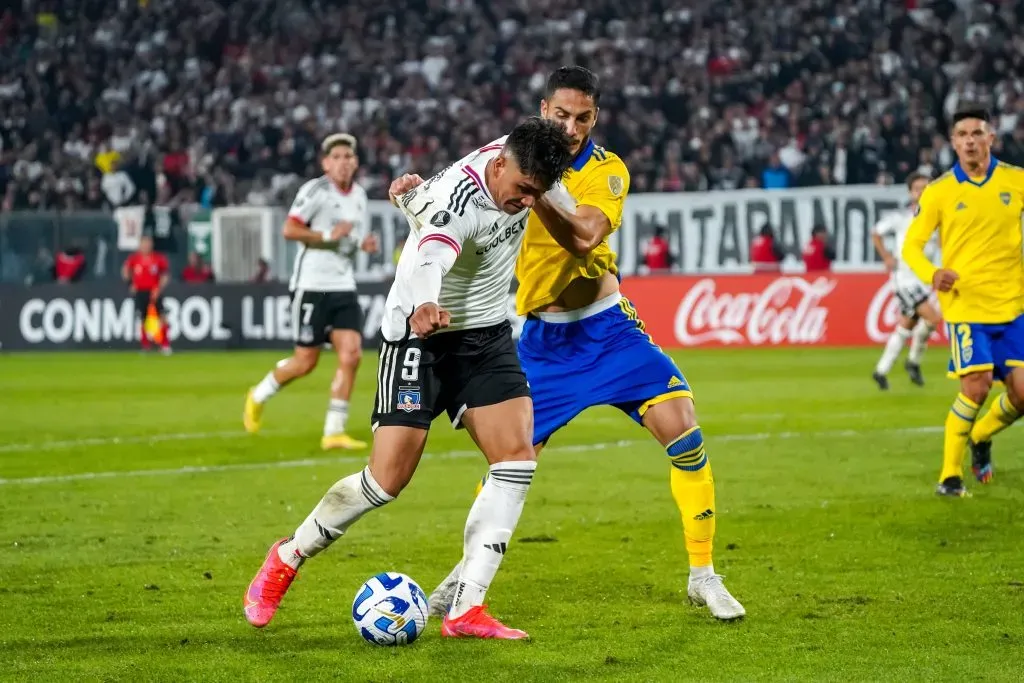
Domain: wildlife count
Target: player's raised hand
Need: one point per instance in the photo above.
(404, 183)
(371, 245)
(944, 279)
(428, 319)
(341, 229)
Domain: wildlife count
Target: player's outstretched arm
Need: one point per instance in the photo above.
(579, 224)
(578, 233)
(925, 222)
(883, 229)
(435, 257)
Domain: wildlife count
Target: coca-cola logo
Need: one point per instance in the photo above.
(787, 311)
(883, 315)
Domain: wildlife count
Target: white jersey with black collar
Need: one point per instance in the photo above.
(454, 209)
(320, 205)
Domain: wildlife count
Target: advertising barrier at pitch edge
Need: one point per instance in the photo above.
(102, 316)
(828, 309)
(679, 311)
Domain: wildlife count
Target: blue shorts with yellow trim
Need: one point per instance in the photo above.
(977, 347)
(594, 357)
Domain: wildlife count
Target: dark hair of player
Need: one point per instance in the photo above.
(337, 140)
(574, 78)
(915, 176)
(542, 149)
(970, 110)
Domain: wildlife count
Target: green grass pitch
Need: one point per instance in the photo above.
(135, 511)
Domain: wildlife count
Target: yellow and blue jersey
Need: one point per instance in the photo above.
(597, 178)
(979, 225)
(597, 355)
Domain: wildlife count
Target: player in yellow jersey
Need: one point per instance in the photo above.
(976, 208)
(583, 344)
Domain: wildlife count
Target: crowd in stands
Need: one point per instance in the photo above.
(105, 102)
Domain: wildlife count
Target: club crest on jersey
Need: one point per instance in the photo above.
(615, 184)
(1004, 197)
(917, 210)
(408, 401)
(481, 202)
(441, 219)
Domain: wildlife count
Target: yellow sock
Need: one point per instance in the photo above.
(693, 488)
(1001, 415)
(958, 428)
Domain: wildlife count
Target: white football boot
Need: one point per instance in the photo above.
(711, 591)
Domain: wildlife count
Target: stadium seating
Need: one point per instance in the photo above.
(223, 102)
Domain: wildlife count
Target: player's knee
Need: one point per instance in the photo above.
(977, 386)
(687, 452)
(350, 356)
(1015, 389)
(522, 452)
(670, 418)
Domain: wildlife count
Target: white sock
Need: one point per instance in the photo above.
(919, 343)
(267, 387)
(897, 340)
(344, 503)
(489, 527)
(697, 573)
(337, 416)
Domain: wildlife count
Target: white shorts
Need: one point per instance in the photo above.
(910, 293)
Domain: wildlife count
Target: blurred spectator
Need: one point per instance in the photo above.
(1013, 145)
(765, 253)
(819, 252)
(42, 268)
(262, 271)
(117, 185)
(775, 176)
(657, 252)
(70, 264)
(223, 102)
(196, 272)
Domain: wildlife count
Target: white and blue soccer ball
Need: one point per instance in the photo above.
(390, 609)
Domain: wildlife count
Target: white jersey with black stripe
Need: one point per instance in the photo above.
(320, 205)
(455, 208)
(894, 225)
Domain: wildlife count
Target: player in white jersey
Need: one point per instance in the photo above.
(918, 318)
(447, 348)
(329, 219)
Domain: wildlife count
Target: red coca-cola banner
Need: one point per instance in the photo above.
(850, 309)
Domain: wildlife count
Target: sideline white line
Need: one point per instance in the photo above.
(444, 455)
(117, 440)
(239, 434)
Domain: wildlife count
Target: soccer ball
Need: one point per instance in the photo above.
(390, 609)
